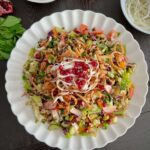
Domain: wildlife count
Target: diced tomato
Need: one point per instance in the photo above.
(112, 35)
(97, 31)
(83, 29)
(101, 87)
(131, 92)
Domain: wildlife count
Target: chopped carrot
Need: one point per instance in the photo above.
(100, 103)
(122, 64)
(55, 33)
(47, 86)
(68, 53)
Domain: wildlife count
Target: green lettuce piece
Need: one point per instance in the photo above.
(89, 43)
(33, 67)
(52, 59)
(125, 81)
(53, 125)
(60, 30)
(72, 34)
(71, 132)
(37, 100)
(27, 85)
(105, 125)
(31, 52)
(119, 113)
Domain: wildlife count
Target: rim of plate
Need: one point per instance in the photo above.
(146, 82)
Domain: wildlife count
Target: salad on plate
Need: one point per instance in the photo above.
(79, 80)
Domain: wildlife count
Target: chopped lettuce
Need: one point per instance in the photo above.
(71, 132)
(31, 52)
(89, 43)
(52, 59)
(119, 113)
(72, 35)
(53, 125)
(53, 43)
(27, 85)
(59, 30)
(111, 74)
(105, 125)
(33, 67)
(125, 81)
(37, 100)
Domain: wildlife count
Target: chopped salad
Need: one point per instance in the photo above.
(79, 80)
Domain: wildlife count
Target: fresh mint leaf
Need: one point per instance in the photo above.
(6, 45)
(4, 55)
(10, 31)
(5, 33)
(17, 29)
(10, 21)
(1, 20)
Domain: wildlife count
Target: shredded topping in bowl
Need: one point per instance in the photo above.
(139, 11)
(79, 80)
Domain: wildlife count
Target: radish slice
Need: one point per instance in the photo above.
(55, 115)
(109, 109)
(76, 112)
(108, 88)
(50, 105)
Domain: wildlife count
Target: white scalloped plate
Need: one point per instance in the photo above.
(14, 86)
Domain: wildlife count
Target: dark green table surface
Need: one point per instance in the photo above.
(13, 136)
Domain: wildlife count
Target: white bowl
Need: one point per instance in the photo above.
(14, 85)
(123, 7)
(41, 1)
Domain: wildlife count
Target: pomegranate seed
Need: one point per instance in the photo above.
(82, 74)
(104, 104)
(80, 103)
(77, 71)
(60, 67)
(94, 63)
(37, 55)
(85, 67)
(68, 79)
(80, 83)
(101, 87)
(109, 121)
(64, 72)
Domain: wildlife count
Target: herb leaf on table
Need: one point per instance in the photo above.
(11, 30)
